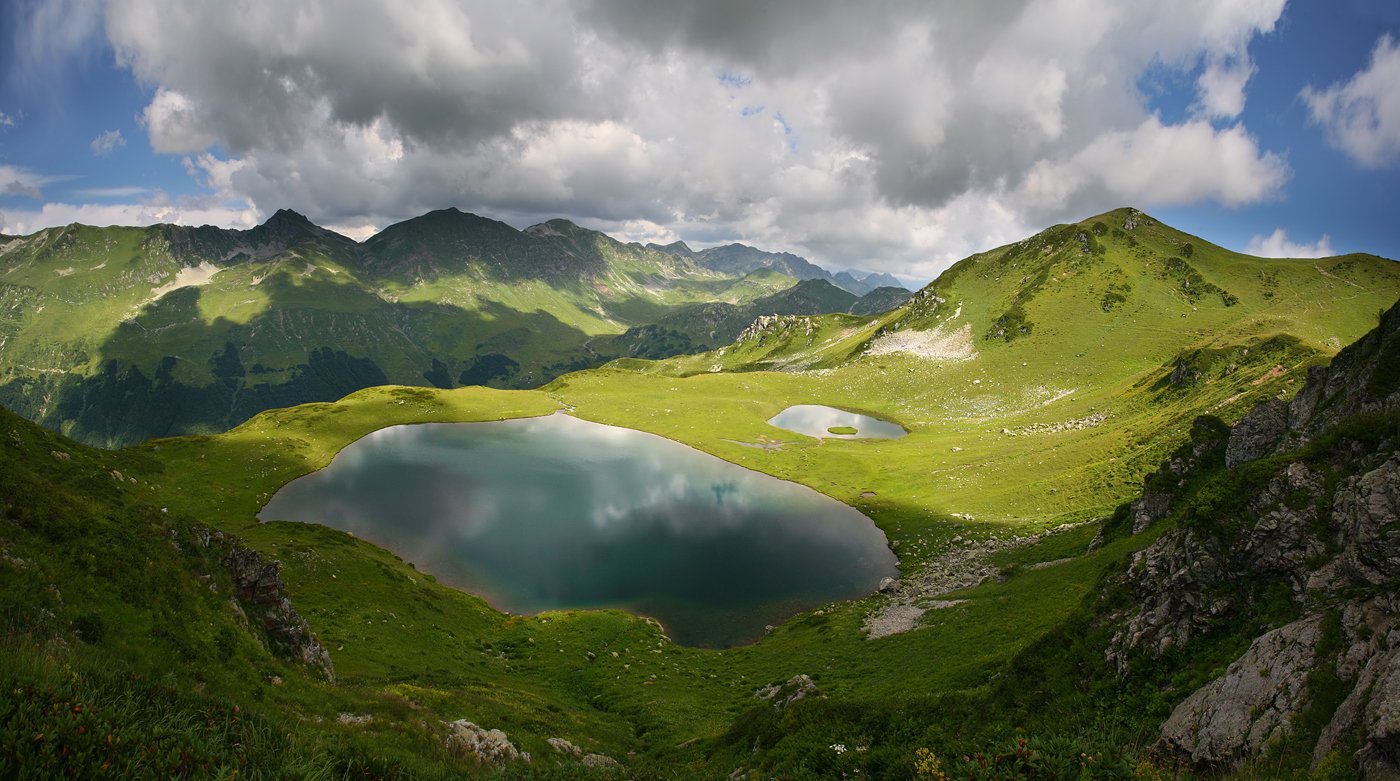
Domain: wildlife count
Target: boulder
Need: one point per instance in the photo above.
(782, 695)
(489, 746)
(563, 746)
(1240, 712)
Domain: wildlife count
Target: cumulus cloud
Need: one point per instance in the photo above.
(1361, 116)
(25, 221)
(106, 142)
(899, 135)
(1222, 87)
(1277, 245)
(1165, 164)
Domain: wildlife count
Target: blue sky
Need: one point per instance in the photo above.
(898, 143)
(1328, 192)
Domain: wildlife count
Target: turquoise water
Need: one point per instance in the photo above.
(814, 420)
(556, 512)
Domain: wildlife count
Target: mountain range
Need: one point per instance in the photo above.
(742, 259)
(116, 335)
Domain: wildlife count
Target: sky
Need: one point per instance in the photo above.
(888, 135)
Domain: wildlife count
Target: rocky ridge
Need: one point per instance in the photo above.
(1293, 513)
(261, 593)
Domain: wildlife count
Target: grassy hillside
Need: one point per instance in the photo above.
(1034, 398)
(115, 335)
(1073, 360)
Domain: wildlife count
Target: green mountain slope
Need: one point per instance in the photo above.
(699, 327)
(116, 335)
(1075, 359)
(988, 647)
(118, 622)
(880, 300)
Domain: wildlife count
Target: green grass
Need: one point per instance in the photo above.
(1056, 426)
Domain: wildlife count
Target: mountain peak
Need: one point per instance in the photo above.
(288, 217)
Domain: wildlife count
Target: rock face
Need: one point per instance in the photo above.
(490, 746)
(1258, 433)
(263, 596)
(1238, 713)
(1299, 517)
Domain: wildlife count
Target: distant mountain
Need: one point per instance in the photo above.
(848, 281)
(115, 335)
(699, 327)
(881, 279)
(741, 259)
(880, 300)
(862, 282)
(674, 248)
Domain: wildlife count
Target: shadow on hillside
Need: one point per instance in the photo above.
(168, 372)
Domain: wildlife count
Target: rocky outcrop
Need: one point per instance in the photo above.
(1161, 488)
(1300, 519)
(1258, 433)
(489, 746)
(262, 596)
(1254, 702)
(781, 695)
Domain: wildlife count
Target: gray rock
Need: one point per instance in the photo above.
(598, 761)
(1328, 527)
(563, 746)
(1240, 712)
(1371, 711)
(1367, 509)
(262, 596)
(1258, 432)
(490, 746)
(782, 695)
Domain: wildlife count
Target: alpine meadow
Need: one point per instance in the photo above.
(699, 390)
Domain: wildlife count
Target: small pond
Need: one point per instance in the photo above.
(815, 420)
(556, 512)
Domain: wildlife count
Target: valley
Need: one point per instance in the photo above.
(1040, 384)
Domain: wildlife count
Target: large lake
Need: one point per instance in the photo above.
(556, 512)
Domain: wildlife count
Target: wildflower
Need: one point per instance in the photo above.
(839, 748)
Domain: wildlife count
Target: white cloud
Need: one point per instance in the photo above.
(25, 221)
(6, 120)
(1277, 245)
(1221, 87)
(24, 182)
(899, 140)
(1362, 116)
(112, 192)
(1166, 165)
(174, 124)
(106, 142)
